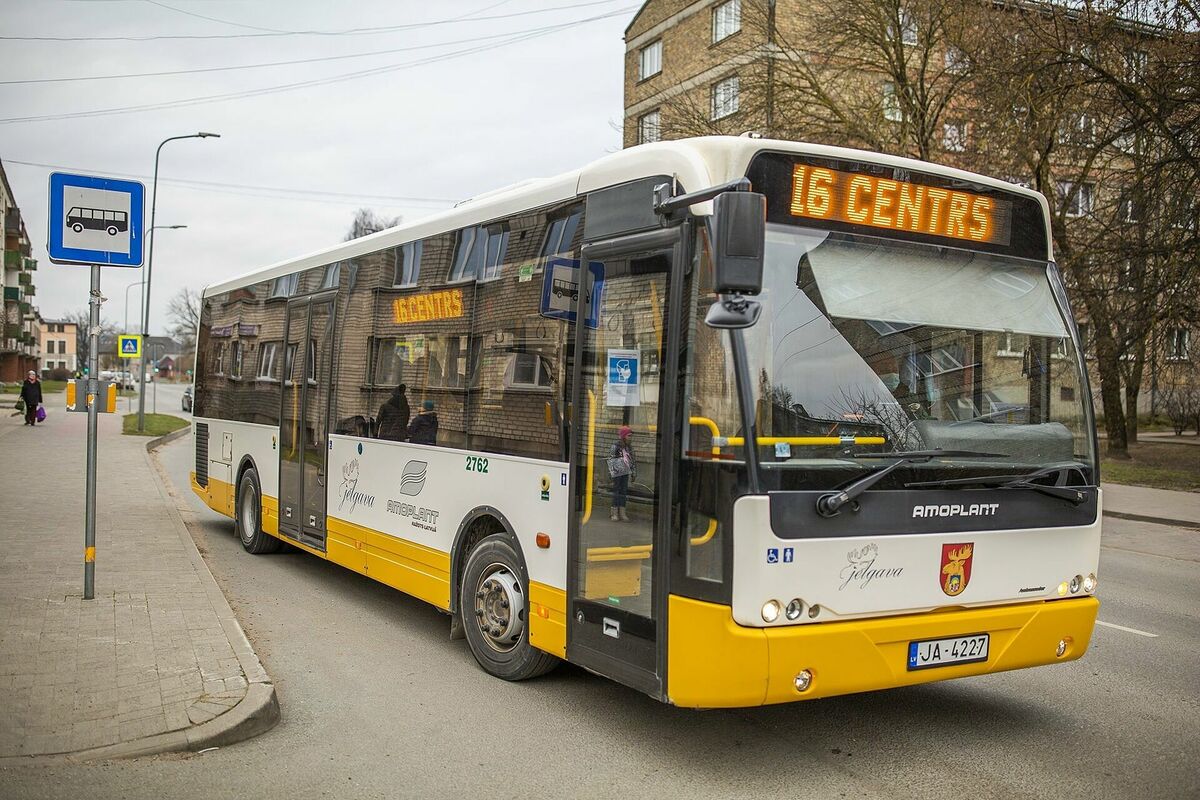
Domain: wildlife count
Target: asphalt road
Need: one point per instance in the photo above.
(378, 702)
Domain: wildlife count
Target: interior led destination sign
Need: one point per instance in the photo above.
(857, 199)
(426, 307)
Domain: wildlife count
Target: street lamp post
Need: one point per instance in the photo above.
(149, 272)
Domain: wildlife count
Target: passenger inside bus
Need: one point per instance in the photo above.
(394, 416)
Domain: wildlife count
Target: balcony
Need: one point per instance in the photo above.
(12, 293)
(12, 222)
(30, 290)
(13, 259)
(25, 279)
(24, 307)
(11, 330)
(31, 265)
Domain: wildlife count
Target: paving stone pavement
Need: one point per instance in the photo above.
(158, 650)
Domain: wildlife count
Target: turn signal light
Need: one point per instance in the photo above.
(543, 540)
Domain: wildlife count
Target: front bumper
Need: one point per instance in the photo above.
(714, 662)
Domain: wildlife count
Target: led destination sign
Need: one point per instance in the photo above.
(857, 199)
(446, 304)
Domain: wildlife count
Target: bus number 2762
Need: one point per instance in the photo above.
(477, 464)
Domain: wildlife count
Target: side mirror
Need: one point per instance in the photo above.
(737, 232)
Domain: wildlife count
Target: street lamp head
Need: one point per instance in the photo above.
(206, 134)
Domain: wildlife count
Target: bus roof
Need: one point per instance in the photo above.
(696, 163)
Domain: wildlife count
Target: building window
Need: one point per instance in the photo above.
(527, 371)
(1011, 344)
(908, 27)
(1129, 210)
(954, 137)
(332, 276)
(285, 285)
(649, 127)
(408, 264)
(1177, 344)
(561, 232)
(1077, 128)
(891, 103)
(1135, 65)
(219, 358)
(650, 60)
(727, 19)
(480, 254)
(956, 60)
(235, 360)
(1075, 197)
(725, 97)
(267, 356)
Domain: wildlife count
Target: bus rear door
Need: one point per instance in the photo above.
(304, 421)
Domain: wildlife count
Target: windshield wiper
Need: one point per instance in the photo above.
(829, 503)
(1018, 482)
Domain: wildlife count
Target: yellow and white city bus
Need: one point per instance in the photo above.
(731, 421)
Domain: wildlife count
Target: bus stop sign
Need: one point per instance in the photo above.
(95, 221)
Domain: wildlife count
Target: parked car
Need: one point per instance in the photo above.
(187, 398)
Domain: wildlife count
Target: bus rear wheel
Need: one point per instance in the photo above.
(249, 517)
(77, 228)
(112, 230)
(494, 605)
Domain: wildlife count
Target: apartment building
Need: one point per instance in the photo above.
(58, 338)
(789, 69)
(20, 348)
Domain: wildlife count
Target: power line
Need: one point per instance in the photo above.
(104, 112)
(185, 12)
(231, 68)
(265, 34)
(240, 188)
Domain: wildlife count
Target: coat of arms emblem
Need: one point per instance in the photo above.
(956, 567)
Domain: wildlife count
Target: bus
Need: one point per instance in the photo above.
(818, 424)
(97, 219)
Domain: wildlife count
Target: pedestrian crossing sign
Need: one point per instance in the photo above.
(129, 345)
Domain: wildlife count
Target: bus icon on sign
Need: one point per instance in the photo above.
(97, 219)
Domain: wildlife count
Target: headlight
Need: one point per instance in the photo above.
(770, 611)
(1089, 583)
(1076, 584)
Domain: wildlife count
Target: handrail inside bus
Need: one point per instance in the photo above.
(591, 451)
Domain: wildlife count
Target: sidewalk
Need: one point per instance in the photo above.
(156, 662)
(1181, 509)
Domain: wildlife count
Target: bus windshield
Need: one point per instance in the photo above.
(892, 346)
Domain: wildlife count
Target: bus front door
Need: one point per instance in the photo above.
(304, 419)
(616, 579)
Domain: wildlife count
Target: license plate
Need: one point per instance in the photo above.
(943, 652)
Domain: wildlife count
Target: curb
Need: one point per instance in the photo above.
(1175, 523)
(167, 438)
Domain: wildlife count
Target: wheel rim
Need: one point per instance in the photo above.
(500, 608)
(249, 514)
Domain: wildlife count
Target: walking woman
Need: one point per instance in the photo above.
(622, 468)
(31, 393)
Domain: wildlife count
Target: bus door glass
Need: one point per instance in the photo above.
(304, 420)
(613, 614)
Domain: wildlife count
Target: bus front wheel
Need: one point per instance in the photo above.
(494, 605)
(249, 517)
(77, 228)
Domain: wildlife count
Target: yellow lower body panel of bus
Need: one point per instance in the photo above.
(714, 662)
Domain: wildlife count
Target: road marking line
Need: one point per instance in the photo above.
(1127, 630)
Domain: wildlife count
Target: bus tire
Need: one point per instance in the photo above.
(77, 228)
(494, 604)
(249, 516)
(112, 230)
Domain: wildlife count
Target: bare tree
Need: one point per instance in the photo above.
(183, 310)
(82, 321)
(366, 222)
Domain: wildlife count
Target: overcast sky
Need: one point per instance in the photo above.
(514, 89)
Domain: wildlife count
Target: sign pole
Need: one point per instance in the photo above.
(92, 398)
